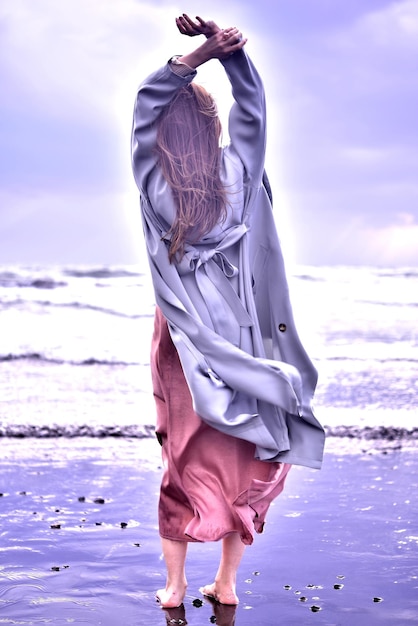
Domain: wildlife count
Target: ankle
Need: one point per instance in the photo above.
(226, 581)
(179, 583)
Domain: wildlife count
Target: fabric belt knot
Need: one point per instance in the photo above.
(220, 259)
(213, 271)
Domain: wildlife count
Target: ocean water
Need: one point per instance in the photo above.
(74, 348)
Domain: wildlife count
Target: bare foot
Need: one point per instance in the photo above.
(170, 598)
(223, 595)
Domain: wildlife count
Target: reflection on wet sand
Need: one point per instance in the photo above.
(176, 616)
(340, 546)
(223, 614)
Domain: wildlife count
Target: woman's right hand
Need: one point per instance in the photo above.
(224, 43)
(221, 45)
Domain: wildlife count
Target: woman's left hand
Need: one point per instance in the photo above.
(190, 28)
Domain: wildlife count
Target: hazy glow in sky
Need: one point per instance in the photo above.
(341, 83)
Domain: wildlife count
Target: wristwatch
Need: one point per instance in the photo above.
(179, 68)
(175, 60)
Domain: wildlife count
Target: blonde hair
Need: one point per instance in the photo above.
(189, 156)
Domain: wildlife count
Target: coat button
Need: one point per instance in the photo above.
(282, 328)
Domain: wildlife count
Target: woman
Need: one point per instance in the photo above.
(232, 382)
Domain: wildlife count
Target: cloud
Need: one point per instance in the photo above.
(84, 53)
(349, 142)
(68, 72)
(75, 228)
(382, 47)
(342, 144)
(395, 244)
(394, 27)
(77, 51)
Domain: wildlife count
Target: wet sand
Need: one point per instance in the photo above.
(79, 542)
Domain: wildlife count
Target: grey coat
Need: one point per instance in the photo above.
(227, 302)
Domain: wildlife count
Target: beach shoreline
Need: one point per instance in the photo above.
(44, 399)
(353, 438)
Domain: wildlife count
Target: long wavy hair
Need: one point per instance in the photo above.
(188, 153)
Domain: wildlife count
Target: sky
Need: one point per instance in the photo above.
(341, 81)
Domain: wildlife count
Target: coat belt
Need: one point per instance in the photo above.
(213, 273)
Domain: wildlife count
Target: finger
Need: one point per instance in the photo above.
(201, 21)
(189, 21)
(236, 38)
(238, 46)
(230, 32)
(185, 22)
(186, 28)
(180, 26)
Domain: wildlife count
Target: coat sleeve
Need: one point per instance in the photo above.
(153, 95)
(247, 118)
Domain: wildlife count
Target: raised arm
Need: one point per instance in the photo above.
(159, 89)
(247, 120)
(153, 95)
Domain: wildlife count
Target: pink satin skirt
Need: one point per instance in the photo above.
(212, 485)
